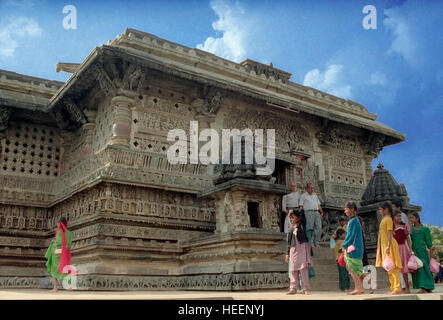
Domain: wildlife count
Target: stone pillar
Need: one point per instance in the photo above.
(121, 127)
(368, 168)
(89, 127)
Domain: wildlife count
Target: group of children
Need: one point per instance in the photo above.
(397, 241)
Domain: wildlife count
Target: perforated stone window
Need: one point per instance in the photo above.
(103, 128)
(31, 150)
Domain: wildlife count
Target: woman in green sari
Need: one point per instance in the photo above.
(421, 241)
(58, 255)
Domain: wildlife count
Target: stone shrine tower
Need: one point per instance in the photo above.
(382, 187)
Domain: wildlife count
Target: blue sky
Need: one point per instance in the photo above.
(396, 70)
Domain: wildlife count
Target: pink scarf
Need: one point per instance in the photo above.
(65, 257)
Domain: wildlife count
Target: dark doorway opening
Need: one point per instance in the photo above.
(280, 171)
(254, 215)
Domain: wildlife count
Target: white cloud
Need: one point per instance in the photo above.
(402, 43)
(233, 27)
(22, 4)
(328, 81)
(16, 27)
(378, 79)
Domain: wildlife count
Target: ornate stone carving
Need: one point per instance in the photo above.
(74, 112)
(105, 82)
(57, 114)
(374, 144)
(133, 78)
(5, 114)
(290, 136)
(210, 104)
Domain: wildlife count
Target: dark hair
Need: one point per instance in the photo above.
(341, 219)
(64, 221)
(387, 205)
(396, 213)
(301, 234)
(397, 203)
(415, 214)
(351, 205)
(339, 233)
(300, 213)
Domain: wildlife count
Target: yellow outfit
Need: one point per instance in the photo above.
(394, 276)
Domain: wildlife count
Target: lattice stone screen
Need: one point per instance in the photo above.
(31, 150)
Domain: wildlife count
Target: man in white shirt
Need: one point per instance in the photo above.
(396, 205)
(313, 212)
(290, 201)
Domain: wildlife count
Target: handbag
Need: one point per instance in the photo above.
(412, 263)
(419, 263)
(388, 264)
(341, 260)
(351, 248)
(311, 272)
(433, 266)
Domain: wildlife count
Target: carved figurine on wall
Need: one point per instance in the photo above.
(58, 255)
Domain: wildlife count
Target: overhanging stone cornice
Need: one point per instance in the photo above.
(102, 55)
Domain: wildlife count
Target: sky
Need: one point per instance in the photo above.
(395, 69)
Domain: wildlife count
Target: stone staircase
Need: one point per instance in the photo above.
(326, 272)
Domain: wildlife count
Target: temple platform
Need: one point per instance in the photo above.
(37, 294)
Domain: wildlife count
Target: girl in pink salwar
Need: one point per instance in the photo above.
(401, 234)
(299, 252)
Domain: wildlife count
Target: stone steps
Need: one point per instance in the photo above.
(326, 271)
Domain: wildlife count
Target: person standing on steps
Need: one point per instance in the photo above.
(299, 252)
(397, 205)
(310, 203)
(353, 246)
(388, 246)
(290, 202)
(421, 241)
(343, 275)
(401, 234)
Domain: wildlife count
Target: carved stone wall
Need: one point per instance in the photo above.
(291, 135)
(346, 176)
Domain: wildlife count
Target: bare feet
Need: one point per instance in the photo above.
(356, 292)
(307, 293)
(300, 291)
(407, 291)
(55, 290)
(422, 291)
(372, 291)
(290, 293)
(395, 292)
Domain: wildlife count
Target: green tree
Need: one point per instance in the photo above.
(437, 240)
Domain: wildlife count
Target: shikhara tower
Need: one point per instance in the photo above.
(93, 149)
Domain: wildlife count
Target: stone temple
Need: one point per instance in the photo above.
(93, 149)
